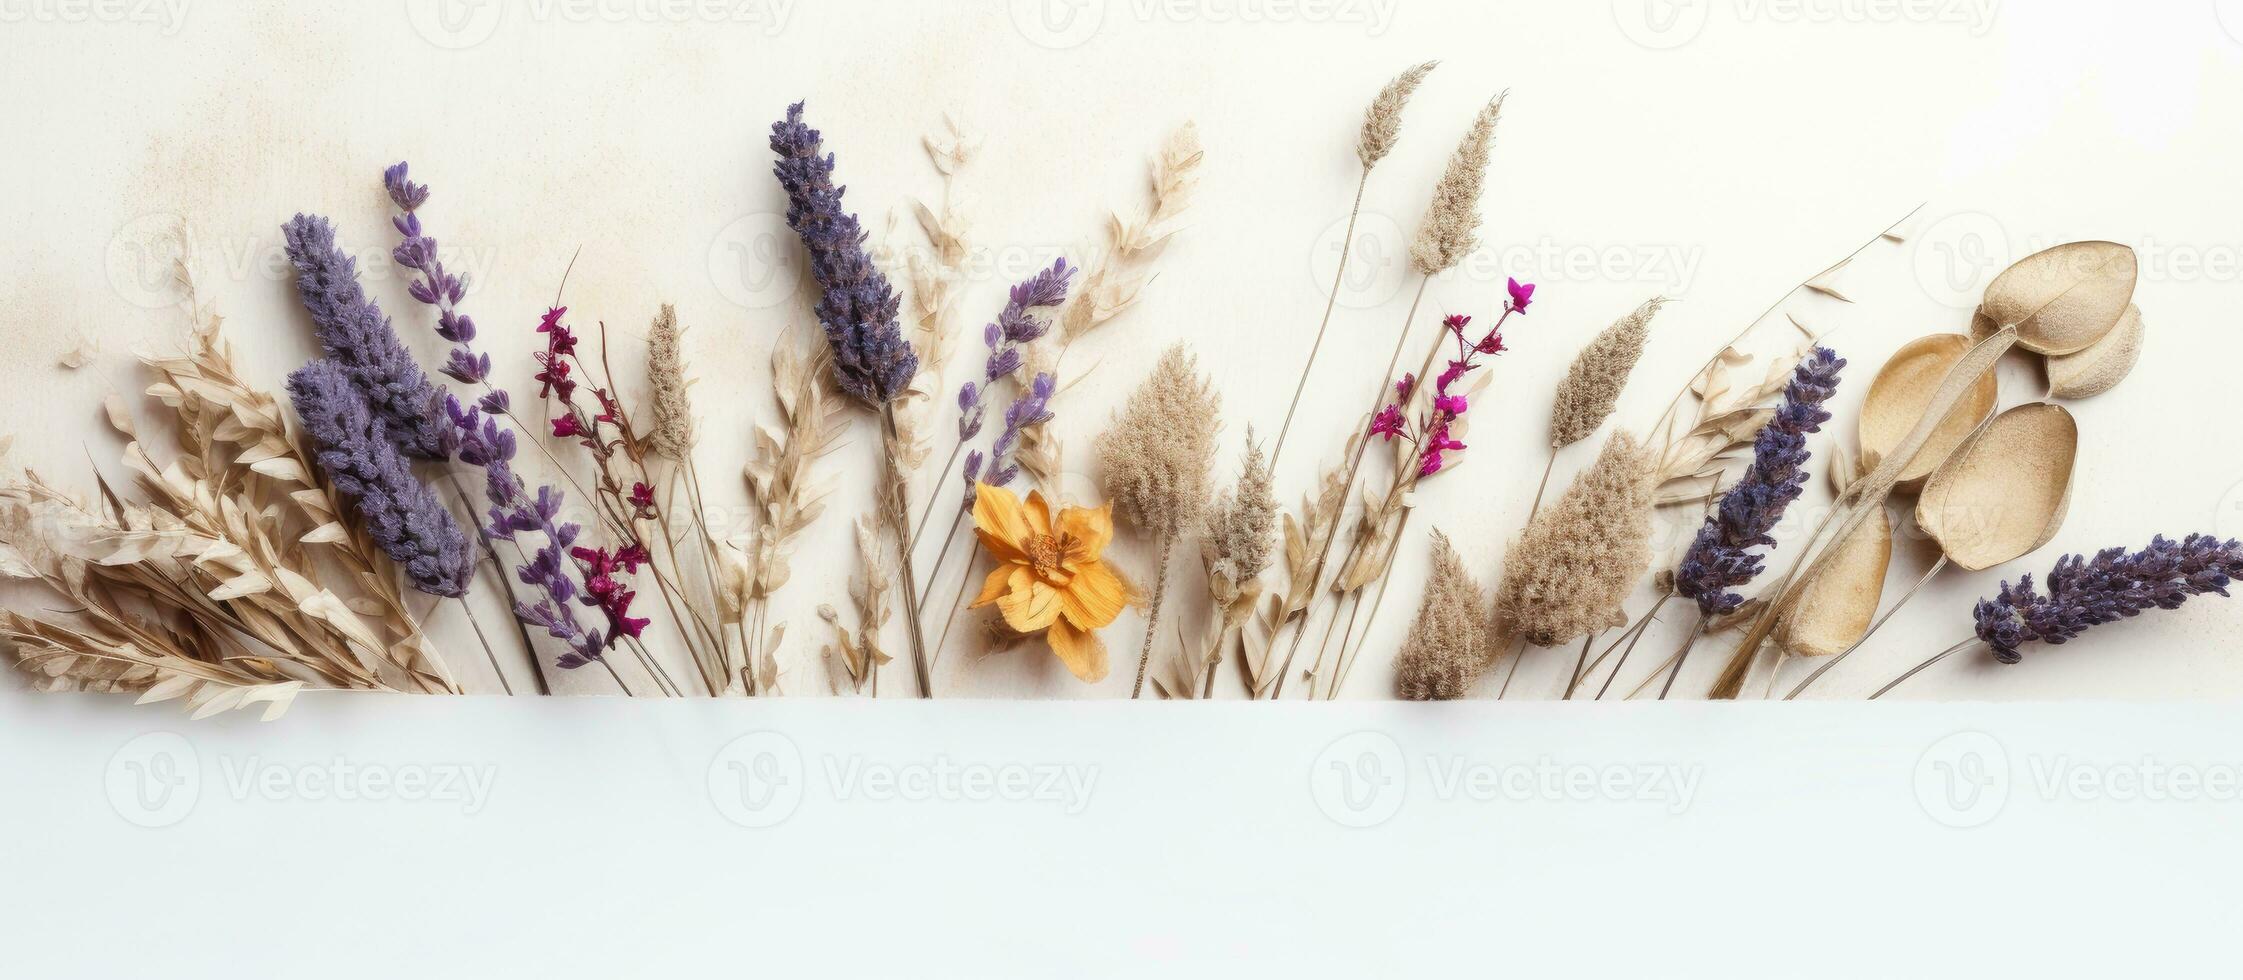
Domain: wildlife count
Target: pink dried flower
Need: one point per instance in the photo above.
(1521, 295)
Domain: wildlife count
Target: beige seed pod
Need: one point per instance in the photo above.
(2102, 365)
(1594, 382)
(2005, 492)
(1903, 391)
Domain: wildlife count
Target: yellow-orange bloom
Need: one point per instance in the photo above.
(1049, 577)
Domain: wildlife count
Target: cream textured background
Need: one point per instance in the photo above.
(1712, 152)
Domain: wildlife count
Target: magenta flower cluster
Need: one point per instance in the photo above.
(1431, 431)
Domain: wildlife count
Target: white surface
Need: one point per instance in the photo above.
(1718, 162)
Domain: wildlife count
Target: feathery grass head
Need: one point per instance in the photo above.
(1452, 222)
(1382, 122)
(672, 435)
(1157, 452)
(1240, 529)
(1568, 575)
(1448, 643)
(1593, 384)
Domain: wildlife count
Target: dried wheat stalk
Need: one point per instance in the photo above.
(787, 495)
(1112, 281)
(935, 277)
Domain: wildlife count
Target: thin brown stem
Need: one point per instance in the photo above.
(1354, 467)
(1580, 665)
(1919, 668)
(1633, 636)
(1540, 488)
(1347, 241)
(1681, 656)
(910, 576)
(1152, 617)
(927, 513)
(1872, 631)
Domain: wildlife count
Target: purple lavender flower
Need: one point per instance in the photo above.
(1006, 338)
(400, 514)
(1032, 408)
(358, 338)
(2114, 585)
(513, 511)
(871, 360)
(1722, 555)
(436, 287)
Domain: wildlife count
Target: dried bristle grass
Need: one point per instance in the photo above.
(1157, 452)
(672, 434)
(1382, 122)
(1240, 531)
(1594, 382)
(1573, 568)
(1452, 221)
(1449, 642)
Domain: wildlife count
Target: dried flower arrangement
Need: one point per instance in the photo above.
(211, 576)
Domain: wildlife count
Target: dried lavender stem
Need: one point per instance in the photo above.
(910, 577)
(1919, 668)
(1152, 617)
(625, 688)
(948, 538)
(927, 513)
(505, 581)
(1354, 466)
(1935, 569)
(1347, 241)
(1689, 643)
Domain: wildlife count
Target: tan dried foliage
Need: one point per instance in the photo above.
(671, 436)
(1304, 535)
(935, 276)
(780, 472)
(1156, 453)
(1729, 402)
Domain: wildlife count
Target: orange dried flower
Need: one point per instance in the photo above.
(1050, 578)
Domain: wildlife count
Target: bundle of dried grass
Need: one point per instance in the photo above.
(1155, 456)
(1448, 644)
(860, 653)
(1306, 535)
(209, 590)
(1731, 399)
(1452, 223)
(1569, 573)
(1112, 281)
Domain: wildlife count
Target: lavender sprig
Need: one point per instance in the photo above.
(356, 335)
(871, 359)
(483, 443)
(1721, 557)
(1014, 329)
(2114, 585)
(401, 515)
(1032, 408)
(436, 287)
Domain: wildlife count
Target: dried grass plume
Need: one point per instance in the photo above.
(1448, 644)
(1452, 222)
(672, 435)
(1157, 453)
(1382, 122)
(1568, 575)
(1593, 384)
